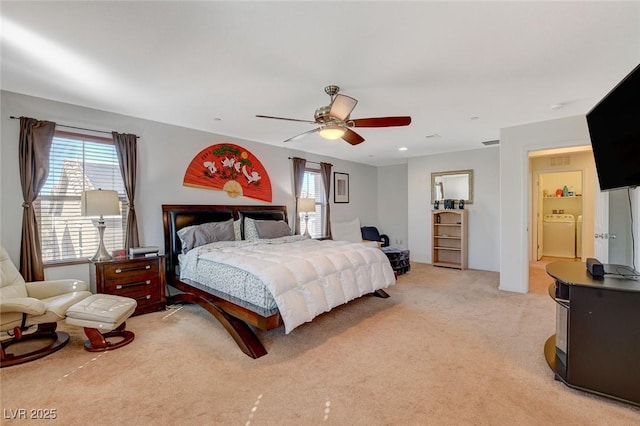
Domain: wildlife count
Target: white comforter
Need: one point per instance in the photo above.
(306, 277)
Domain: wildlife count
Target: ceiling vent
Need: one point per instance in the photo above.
(563, 160)
(494, 142)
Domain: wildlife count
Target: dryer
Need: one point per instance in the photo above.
(559, 235)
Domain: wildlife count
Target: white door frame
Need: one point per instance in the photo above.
(537, 224)
(601, 225)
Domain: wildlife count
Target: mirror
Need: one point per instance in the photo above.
(453, 185)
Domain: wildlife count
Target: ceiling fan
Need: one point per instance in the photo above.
(334, 122)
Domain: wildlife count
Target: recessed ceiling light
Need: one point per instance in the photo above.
(556, 107)
(402, 148)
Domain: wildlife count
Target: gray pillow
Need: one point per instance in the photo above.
(198, 235)
(272, 228)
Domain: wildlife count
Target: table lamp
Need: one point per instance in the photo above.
(99, 203)
(306, 205)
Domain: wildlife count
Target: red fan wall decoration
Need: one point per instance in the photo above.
(231, 168)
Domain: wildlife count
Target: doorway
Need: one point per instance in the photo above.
(561, 189)
(605, 214)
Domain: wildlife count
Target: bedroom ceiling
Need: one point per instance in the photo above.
(461, 70)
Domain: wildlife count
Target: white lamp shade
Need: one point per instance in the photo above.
(100, 202)
(306, 205)
(342, 106)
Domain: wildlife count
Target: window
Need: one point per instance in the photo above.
(78, 163)
(312, 187)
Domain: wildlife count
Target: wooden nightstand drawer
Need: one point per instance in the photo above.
(146, 299)
(130, 269)
(141, 279)
(122, 287)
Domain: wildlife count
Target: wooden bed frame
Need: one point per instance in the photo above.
(237, 316)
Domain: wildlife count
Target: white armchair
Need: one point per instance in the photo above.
(41, 304)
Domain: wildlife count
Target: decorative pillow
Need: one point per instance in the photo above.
(250, 231)
(347, 231)
(236, 230)
(272, 228)
(198, 235)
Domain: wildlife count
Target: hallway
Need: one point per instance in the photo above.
(539, 280)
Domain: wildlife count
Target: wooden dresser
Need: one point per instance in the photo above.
(140, 278)
(596, 347)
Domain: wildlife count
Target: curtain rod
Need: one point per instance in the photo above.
(74, 127)
(312, 162)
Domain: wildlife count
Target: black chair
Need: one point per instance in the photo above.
(371, 233)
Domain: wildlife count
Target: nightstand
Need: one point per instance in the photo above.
(140, 278)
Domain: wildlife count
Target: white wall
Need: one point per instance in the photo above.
(557, 181)
(164, 152)
(393, 196)
(484, 227)
(496, 241)
(515, 144)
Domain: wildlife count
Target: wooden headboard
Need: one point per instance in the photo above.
(175, 217)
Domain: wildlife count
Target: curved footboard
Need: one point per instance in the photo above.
(241, 332)
(381, 293)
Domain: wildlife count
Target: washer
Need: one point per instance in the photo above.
(559, 238)
(579, 236)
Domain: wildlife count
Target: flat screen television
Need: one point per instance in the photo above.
(614, 128)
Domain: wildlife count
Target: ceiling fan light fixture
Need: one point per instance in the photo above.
(332, 132)
(334, 120)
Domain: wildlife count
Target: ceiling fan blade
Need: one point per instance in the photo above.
(296, 137)
(352, 137)
(380, 121)
(342, 106)
(283, 118)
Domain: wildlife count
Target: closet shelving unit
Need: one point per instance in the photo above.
(449, 241)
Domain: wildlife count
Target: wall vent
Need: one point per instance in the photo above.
(494, 142)
(563, 160)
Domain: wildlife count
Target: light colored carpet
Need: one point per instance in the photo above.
(447, 348)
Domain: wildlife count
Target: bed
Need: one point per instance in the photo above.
(263, 283)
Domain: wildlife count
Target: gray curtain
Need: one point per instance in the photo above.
(126, 148)
(298, 176)
(325, 172)
(35, 142)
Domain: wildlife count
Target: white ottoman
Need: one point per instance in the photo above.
(103, 316)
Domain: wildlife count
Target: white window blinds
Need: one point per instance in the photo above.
(312, 187)
(78, 163)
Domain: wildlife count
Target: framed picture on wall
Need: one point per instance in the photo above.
(340, 187)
